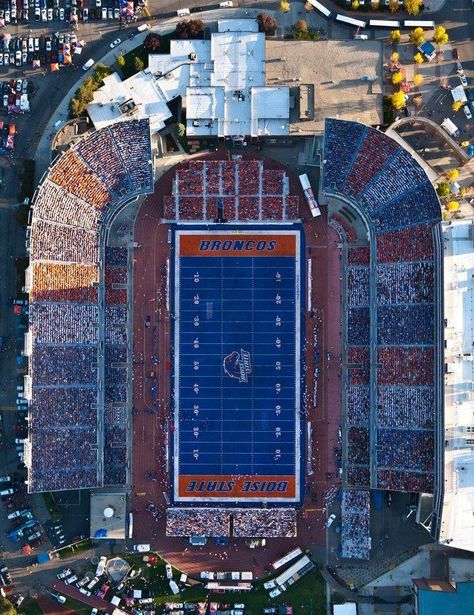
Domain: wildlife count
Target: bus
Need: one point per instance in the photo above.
(310, 198)
(294, 572)
(383, 23)
(320, 7)
(287, 558)
(358, 23)
(412, 23)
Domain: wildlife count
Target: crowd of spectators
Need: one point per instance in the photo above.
(54, 204)
(405, 283)
(405, 324)
(133, 142)
(358, 476)
(414, 243)
(241, 190)
(100, 154)
(115, 464)
(115, 444)
(358, 406)
(65, 407)
(388, 184)
(373, 154)
(409, 366)
(411, 208)
(265, 523)
(63, 323)
(399, 480)
(213, 522)
(341, 141)
(72, 174)
(64, 365)
(408, 407)
(56, 242)
(65, 457)
(355, 525)
(358, 326)
(62, 282)
(358, 445)
(116, 256)
(405, 449)
(358, 255)
(358, 360)
(358, 286)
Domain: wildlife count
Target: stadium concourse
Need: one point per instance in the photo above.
(154, 432)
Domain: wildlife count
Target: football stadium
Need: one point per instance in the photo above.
(228, 351)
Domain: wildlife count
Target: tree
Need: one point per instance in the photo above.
(100, 73)
(395, 36)
(395, 57)
(284, 6)
(190, 28)
(418, 100)
(152, 42)
(355, 4)
(138, 64)
(440, 36)
(301, 25)
(452, 206)
(308, 7)
(398, 100)
(457, 104)
(375, 4)
(443, 188)
(120, 62)
(417, 80)
(417, 36)
(412, 7)
(397, 78)
(393, 6)
(6, 607)
(418, 58)
(452, 174)
(181, 130)
(266, 24)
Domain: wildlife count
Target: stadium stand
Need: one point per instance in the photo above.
(387, 186)
(269, 523)
(236, 190)
(68, 212)
(355, 525)
(213, 522)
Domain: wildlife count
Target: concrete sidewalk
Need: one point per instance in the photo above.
(43, 150)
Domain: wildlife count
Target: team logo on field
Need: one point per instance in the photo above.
(237, 365)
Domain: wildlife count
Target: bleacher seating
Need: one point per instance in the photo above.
(392, 190)
(242, 190)
(355, 525)
(68, 211)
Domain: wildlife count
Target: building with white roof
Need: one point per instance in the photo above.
(456, 524)
(221, 81)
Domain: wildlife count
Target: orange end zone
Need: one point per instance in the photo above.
(237, 244)
(223, 487)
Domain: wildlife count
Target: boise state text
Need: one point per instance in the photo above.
(228, 486)
(237, 245)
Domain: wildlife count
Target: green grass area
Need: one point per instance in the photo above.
(76, 606)
(84, 545)
(51, 505)
(31, 607)
(141, 53)
(306, 595)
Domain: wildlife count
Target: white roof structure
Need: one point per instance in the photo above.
(221, 80)
(457, 519)
(136, 98)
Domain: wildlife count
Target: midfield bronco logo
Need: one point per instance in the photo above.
(237, 365)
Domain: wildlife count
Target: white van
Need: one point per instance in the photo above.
(88, 64)
(174, 588)
(143, 27)
(5, 479)
(226, 5)
(183, 12)
(7, 492)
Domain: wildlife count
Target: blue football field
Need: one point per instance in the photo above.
(237, 372)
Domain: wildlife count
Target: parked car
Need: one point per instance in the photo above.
(330, 520)
(467, 112)
(455, 53)
(463, 80)
(169, 571)
(114, 43)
